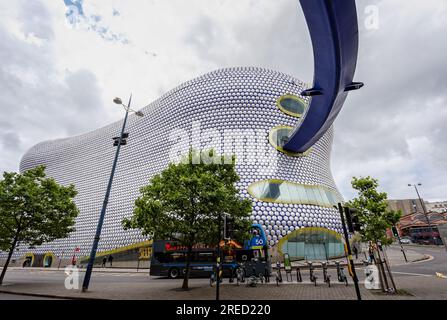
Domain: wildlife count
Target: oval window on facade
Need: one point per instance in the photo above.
(279, 136)
(292, 105)
(280, 191)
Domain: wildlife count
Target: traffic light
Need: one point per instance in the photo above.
(395, 232)
(116, 140)
(228, 227)
(352, 219)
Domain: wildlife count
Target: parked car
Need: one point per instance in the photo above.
(405, 241)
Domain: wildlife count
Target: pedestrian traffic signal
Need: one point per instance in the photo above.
(352, 219)
(228, 227)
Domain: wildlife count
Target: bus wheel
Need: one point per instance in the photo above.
(173, 273)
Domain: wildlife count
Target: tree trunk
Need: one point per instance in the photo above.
(387, 265)
(11, 251)
(382, 282)
(382, 271)
(188, 263)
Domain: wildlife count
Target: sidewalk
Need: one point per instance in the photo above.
(62, 269)
(396, 257)
(153, 289)
(394, 254)
(114, 283)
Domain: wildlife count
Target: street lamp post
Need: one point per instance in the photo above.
(120, 140)
(423, 208)
(218, 264)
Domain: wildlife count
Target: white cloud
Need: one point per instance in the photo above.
(58, 78)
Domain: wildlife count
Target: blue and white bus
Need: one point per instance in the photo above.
(169, 257)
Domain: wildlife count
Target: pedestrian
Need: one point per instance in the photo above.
(356, 251)
(104, 260)
(371, 254)
(110, 260)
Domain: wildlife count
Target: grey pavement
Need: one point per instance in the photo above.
(396, 257)
(9, 296)
(145, 287)
(420, 277)
(417, 278)
(96, 270)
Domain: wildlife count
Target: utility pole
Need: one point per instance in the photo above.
(396, 233)
(423, 208)
(348, 246)
(218, 260)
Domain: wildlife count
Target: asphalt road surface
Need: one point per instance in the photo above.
(29, 275)
(418, 278)
(7, 296)
(429, 268)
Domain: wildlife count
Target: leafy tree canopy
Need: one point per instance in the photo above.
(187, 202)
(186, 199)
(34, 209)
(373, 211)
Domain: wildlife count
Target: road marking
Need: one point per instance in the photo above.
(414, 274)
(430, 257)
(414, 262)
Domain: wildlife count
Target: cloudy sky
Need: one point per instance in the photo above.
(63, 61)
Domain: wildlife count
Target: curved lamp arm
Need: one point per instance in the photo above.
(334, 32)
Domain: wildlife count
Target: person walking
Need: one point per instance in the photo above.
(104, 260)
(371, 253)
(356, 251)
(110, 260)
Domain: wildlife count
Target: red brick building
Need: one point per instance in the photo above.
(415, 226)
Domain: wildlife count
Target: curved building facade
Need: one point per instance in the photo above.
(250, 110)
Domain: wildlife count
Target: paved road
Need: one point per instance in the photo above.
(58, 277)
(7, 296)
(420, 278)
(438, 264)
(417, 278)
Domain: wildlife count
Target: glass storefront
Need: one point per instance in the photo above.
(312, 244)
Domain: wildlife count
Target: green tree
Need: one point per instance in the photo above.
(33, 209)
(375, 218)
(373, 211)
(186, 202)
